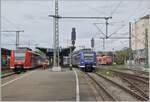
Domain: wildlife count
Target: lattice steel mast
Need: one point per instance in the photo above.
(56, 36)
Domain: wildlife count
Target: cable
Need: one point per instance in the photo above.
(10, 22)
(116, 31)
(53, 0)
(134, 11)
(115, 9)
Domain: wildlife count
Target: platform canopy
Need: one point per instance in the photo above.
(63, 51)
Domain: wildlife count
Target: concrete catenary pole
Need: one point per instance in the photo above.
(149, 44)
(130, 47)
(17, 35)
(0, 47)
(70, 59)
(146, 48)
(17, 39)
(0, 42)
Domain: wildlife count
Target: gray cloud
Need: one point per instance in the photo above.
(32, 16)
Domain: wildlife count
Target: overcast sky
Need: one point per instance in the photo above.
(32, 17)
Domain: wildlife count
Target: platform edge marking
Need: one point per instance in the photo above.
(77, 86)
(16, 79)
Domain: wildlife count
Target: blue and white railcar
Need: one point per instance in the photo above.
(84, 59)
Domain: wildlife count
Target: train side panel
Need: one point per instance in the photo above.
(12, 60)
(28, 62)
(104, 60)
(81, 61)
(21, 60)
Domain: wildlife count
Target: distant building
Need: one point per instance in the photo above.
(139, 38)
(138, 33)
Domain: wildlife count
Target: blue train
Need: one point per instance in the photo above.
(84, 59)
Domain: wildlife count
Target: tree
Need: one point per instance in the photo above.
(122, 56)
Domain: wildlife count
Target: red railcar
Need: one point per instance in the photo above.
(104, 60)
(21, 60)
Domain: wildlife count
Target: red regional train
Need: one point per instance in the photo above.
(104, 60)
(21, 60)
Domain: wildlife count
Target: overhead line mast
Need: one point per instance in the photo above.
(17, 35)
(56, 18)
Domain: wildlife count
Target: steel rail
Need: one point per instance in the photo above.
(137, 88)
(8, 74)
(136, 70)
(141, 98)
(102, 87)
(146, 78)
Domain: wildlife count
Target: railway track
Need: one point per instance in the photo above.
(114, 87)
(137, 71)
(104, 94)
(136, 88)
(13, 73)
(137, 83)
(143, 79)
(7, 75)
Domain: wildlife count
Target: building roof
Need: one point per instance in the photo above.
(63, 52)
(145, 17)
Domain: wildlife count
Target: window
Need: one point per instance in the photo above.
(19, 55)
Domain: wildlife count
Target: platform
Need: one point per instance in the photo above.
(42, 85)
(56, 69)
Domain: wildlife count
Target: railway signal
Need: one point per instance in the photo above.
(92, 43)
(73, 36)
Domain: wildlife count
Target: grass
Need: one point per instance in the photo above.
(5, 70)
(105, 72)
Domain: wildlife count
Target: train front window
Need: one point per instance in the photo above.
(88, 57)
(19, 55)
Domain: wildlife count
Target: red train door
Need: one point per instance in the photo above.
(12, 60)
(27, 63)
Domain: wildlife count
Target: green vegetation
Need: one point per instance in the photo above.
(120, 57)
(105, 72)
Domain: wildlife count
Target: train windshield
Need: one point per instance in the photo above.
(19, 55)
(88, 56)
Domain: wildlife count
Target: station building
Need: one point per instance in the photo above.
(139, 41)
(64, 52)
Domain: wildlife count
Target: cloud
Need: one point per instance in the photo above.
(32, 17)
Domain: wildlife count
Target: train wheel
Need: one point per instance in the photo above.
(17, 70)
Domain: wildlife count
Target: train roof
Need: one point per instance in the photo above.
(33, 52)
(24, 48)
(83, 50)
